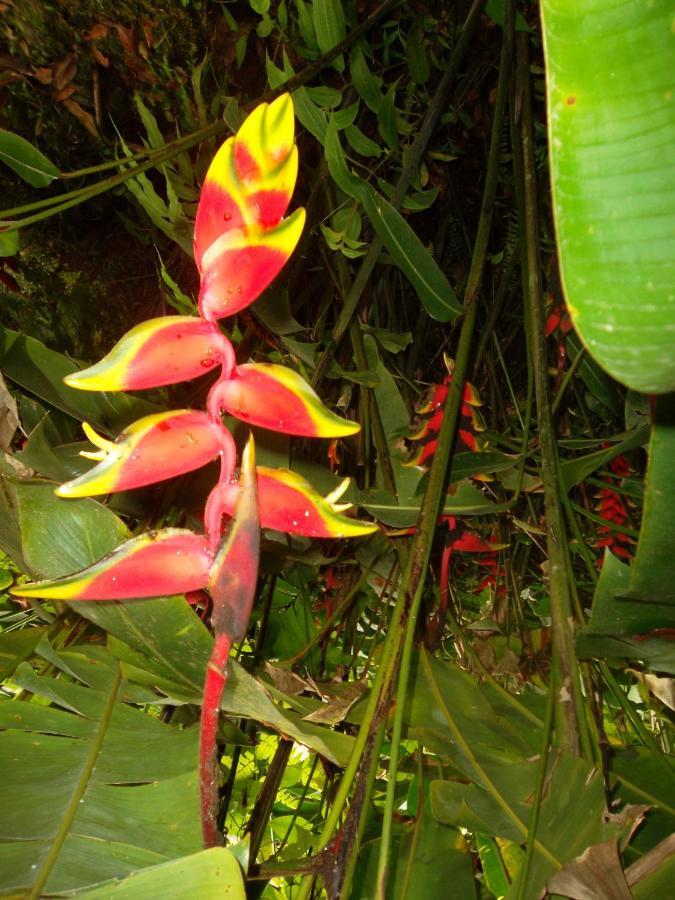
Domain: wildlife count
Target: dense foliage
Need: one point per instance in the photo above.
(476, 697)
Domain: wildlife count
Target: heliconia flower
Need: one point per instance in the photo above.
(234, 573)
(290, 504)
(156, 564)
(251, 179)
(160, 351)
(152, 449)
(242, 262)
(277, 398)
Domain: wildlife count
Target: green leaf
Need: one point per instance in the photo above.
(15, 646)
(26, 160)
(9, 243)
(27, 362)
(362, 144)
(366, 84)
(416, 53)
(653, 572)
(387, 119)
(329, 24)
(463, 499)
(209, 873)
(574, 471)
(411, 256)
(117, 788)
(612, 129)
(309, 115)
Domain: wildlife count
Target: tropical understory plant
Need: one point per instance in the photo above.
(241, 243)
(476, 696)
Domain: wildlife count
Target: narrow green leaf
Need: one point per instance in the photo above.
(26, 160)
(387, 120)
(366, 84)
(329, 24)
(412, 257)
(361, 143)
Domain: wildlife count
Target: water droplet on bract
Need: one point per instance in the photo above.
(206, 363)
(294, 523)
(230, 290)
(226, 217)
(239, 289)
(114, 579)
(306, 514)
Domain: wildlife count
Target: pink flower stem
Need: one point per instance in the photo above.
(214, 683)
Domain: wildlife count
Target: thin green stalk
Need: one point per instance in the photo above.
(564, 384)
(434, 110)
(414, 575)
(570, 720)
(80, 195)
(82, 783)
(538, 793)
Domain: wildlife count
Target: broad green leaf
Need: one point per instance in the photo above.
(26, 160)
(612, 133)
(15, 646)
(653, 572)
(117, 788)
(28, 363)
(210, 873)
(622, 627)
(424, 864)
(411, 256)
(329, 25)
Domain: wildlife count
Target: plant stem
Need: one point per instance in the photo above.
(414, 574)
(214, 683)
(570, 719)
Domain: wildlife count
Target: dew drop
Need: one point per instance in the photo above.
(306, 514)
(206, 363)
(230, 290)
(226, 217)
(239, 289)
(114, 579)
(294, 523)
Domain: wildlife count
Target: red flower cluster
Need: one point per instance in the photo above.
(612, 509)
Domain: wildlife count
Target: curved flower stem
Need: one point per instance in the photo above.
(214, 683)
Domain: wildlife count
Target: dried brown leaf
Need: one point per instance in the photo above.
(44, 75)
(82, 116)
(65, 70)
(65, 92)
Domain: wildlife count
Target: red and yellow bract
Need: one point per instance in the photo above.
(241, 242)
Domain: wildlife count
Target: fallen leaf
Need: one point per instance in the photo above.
(44, 75)
(65, 92)
(595, 875)
(65, 70)
(96, 32)
(82, 116)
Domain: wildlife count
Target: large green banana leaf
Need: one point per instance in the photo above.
(610, 81)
